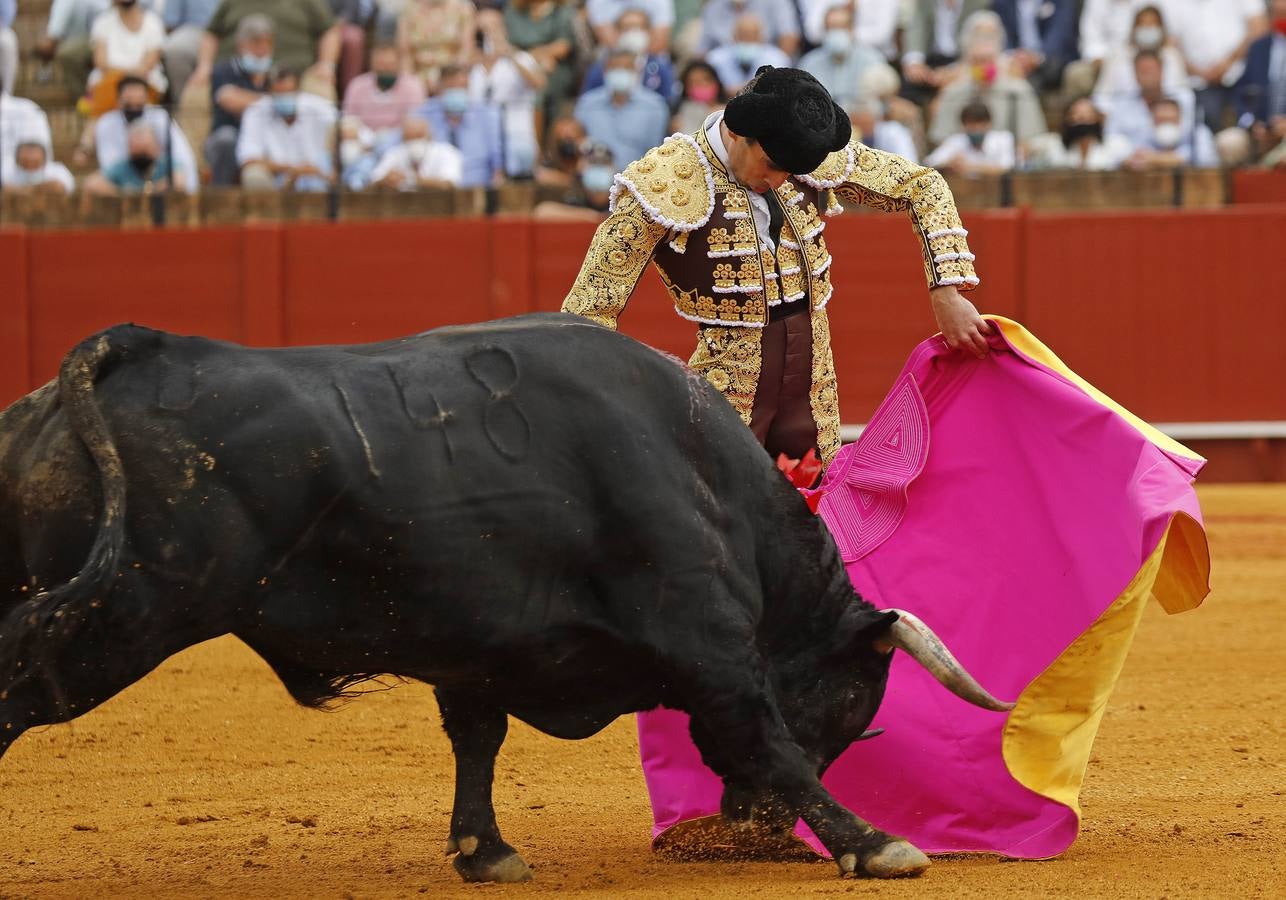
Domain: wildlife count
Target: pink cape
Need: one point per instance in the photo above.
(1026, 518)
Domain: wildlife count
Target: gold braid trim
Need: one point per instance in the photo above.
(891, 183)
(731, 359)
(824, 395)
(617, 256)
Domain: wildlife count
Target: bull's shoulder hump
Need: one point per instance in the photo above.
(673, 183)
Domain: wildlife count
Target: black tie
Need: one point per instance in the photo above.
(776, 216)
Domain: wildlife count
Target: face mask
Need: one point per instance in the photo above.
(568, 150)
(132, 113)
(745, 53)
(141, 162)
(632, 41)
(350, 151)
(285, 105)
(838, 42)
(255, 65)
(385, 81)
(1167, 135)
(1081, 130)
(597, 178)
(455, 101)
(416, 148)
(620, 81)
(985, 74)
(1148, 37)
(703, 93)
(976, 138)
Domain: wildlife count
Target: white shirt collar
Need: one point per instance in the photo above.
(715, 135)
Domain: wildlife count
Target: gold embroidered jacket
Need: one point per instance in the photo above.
(678, 208)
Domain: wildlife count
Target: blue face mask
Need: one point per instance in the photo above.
(455, 100)
(745, 53)
(255, 65)
(285, 105)
(597, 178)
(620, 81)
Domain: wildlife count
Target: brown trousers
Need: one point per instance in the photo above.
(782, 417)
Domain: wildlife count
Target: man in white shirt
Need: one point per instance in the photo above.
(977, 149)
(1213, 36)
(22, 121)
(736, 63)
(511, 79)
(875, 22)
(32, 171)
(286, 139)
(419, 161)
(839, 62)
(111, 141)
(602, 15)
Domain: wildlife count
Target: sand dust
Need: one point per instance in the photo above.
(206, 780)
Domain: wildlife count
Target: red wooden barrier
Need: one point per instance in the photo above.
(1258, 186)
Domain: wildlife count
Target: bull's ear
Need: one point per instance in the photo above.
(865, 628)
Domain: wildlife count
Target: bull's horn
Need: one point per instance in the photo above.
(918, 640)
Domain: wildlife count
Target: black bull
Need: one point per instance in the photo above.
(538, 516)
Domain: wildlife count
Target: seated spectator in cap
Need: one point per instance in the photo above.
(604, 16)
(977, 149)
(589, 195)
(471, 126)
(1214, 36)
(839, 62)
(146, 167)
(512, 80)
(1148, 33)
(931, 43)
(185, 20)
(875, 25)
(560, 163)
(1173, 143)
(434, 35)
(778, 24)
(419, 161)
(1261, 90)
(1129, 115)
(632, 35)
(984, 76)
(701, 93)
(737, 62)
(111, 132)
(306, 39)
(870, 119)
(8, 46)
(286, 139)
(22, 121)
(1082, 144)
(1041, 38)
(66, 39)
(31, 171)
(235, 85)
(622, 114)
(127, 41)
(383, 97)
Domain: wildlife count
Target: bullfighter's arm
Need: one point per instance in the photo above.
(617, 256)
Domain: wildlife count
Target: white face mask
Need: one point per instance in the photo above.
(1168, 135)
(416, 148)
(21, 177)
(633, 41)
(350, 151)
(1148, 37)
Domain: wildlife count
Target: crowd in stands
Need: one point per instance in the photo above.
(399, 95)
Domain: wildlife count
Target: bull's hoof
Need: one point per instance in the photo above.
(500, 863)
(896, 860)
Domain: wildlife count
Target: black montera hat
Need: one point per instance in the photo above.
(792, 116)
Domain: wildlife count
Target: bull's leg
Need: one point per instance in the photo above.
(746, 742)
(477, 729)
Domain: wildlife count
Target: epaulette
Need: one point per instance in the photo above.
(673, 183)
(835, 169)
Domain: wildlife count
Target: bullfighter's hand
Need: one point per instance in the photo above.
(959, 322)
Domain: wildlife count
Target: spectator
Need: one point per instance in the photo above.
(589, 196)
(875, 22)
(286, 139)
(1042, 38)
(1106, 30)
(546, 30)
(418, 161)
(1149, 33)
(8, 46)
(604, 17)
(1013, 102)
(471, 126)
(185, 20)
(306, 39)
(839, 62)
(621, 114)
(561, 162)
(434, 34)
(931, 44)
(66, 39)
(21, 122)
(145, 168)
(778, 24)
(111, 131)
(1261, 91)
(1130, 115)
(1082, 144)
(737, 62)
(702, 94)
(978, 149)
(870, 117)
(127, 40)
(881, 83)
(512, 80)
(1172, 143)
(632, 35)
(235, 85)
(358, 153)
(383, 97)
(1213, 36)
(33, 172)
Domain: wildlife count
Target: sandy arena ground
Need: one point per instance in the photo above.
(206, 780)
